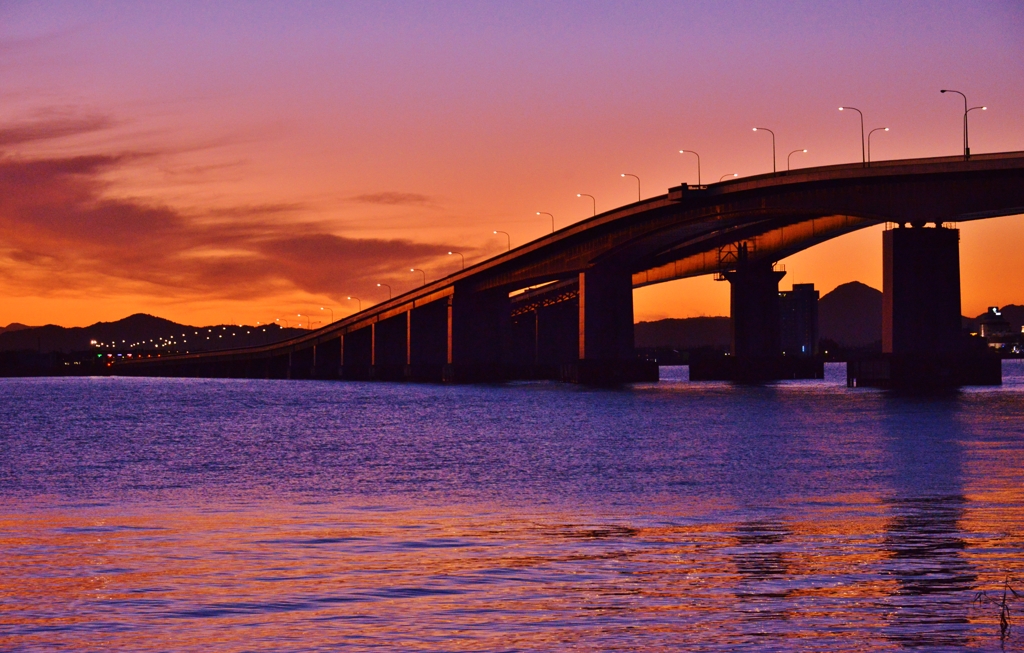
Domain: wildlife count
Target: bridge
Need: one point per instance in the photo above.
(561, 306)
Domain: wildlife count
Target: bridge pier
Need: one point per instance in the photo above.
(357, 354)
(605, 342)
(923, 343)
(429, 341)
(478, 330)
(391, 348)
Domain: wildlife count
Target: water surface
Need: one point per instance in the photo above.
(240, 515)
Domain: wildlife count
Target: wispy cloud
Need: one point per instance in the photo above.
(393, 198)
(61, 231)
(50, 128)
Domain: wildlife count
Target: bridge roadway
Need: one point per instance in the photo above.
(570, 312)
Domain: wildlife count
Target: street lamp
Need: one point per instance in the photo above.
(509, 238)
(332, 313)
(967, 147)
(460, 256)
(594, 201)
(790, 156)
(698, 162)
(876, 129)
(550, 216)
(421, 272)
(360, 303)
(863, 158)
(626, 174)
(384, 285)
(309, 323)
(773, 145)
(735, 174)
(286, 325)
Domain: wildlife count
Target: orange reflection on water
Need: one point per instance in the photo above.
(291, 576)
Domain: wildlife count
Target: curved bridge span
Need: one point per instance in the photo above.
(570, 313)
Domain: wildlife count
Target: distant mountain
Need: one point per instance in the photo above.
(687, 333)
(140, 332)
(851, 315)
(14, 326)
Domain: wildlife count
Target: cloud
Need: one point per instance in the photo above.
(52, 128)
(61, 231)
(392, 198)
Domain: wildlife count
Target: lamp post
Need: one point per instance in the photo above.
(773, 145)
(460, 256)
(550, 216)
(735, 174)
(876, 129)
(698, 162)
(626, 174)
(863, 157)
(967, 145)
(594, 201)
(286, 325)
(421, 272)
(507, 237)
(790, 156)
(332, 312)
(360, 303)
(384, 285)
(309, 322)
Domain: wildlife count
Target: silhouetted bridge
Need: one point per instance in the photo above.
(562, 306)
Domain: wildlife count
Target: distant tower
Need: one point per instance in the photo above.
(798, 320)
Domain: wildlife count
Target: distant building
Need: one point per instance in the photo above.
(993, 323)
(798, 320)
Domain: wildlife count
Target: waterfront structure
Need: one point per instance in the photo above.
(471, 325)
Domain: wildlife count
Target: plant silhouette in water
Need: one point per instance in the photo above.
(1009, 594)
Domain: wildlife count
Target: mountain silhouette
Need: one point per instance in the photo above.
(140, 332)
(851, 315)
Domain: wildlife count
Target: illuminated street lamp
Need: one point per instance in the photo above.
(967, 147)
(593, 201)
(876, 129)
(863, 157)
(384, 285)
(331, 310)
(360, 303)
(507, 237)
(460, 256)
(286, 324)
(698, 162)
(765, 129)
(626, 174)
(421, 272)
(790, 156)
(309, 322)
(550, 216)
(735, 174)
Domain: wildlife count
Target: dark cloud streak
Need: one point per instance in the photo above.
(56, 218)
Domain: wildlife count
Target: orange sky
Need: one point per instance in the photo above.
(242, 162)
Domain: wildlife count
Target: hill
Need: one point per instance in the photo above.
(139, 332)
(851, 315)
(14, 326)
(686, 333)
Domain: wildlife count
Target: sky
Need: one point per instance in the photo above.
(223, 162)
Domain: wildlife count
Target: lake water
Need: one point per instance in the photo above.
(240, 515)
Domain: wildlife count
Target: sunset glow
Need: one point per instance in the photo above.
(238, 162)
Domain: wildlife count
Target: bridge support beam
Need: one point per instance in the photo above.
(606, 345)
(756, 350)
(428, 341)
(478, 329)
(357, 354)
(923, 343)
(391, 348)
